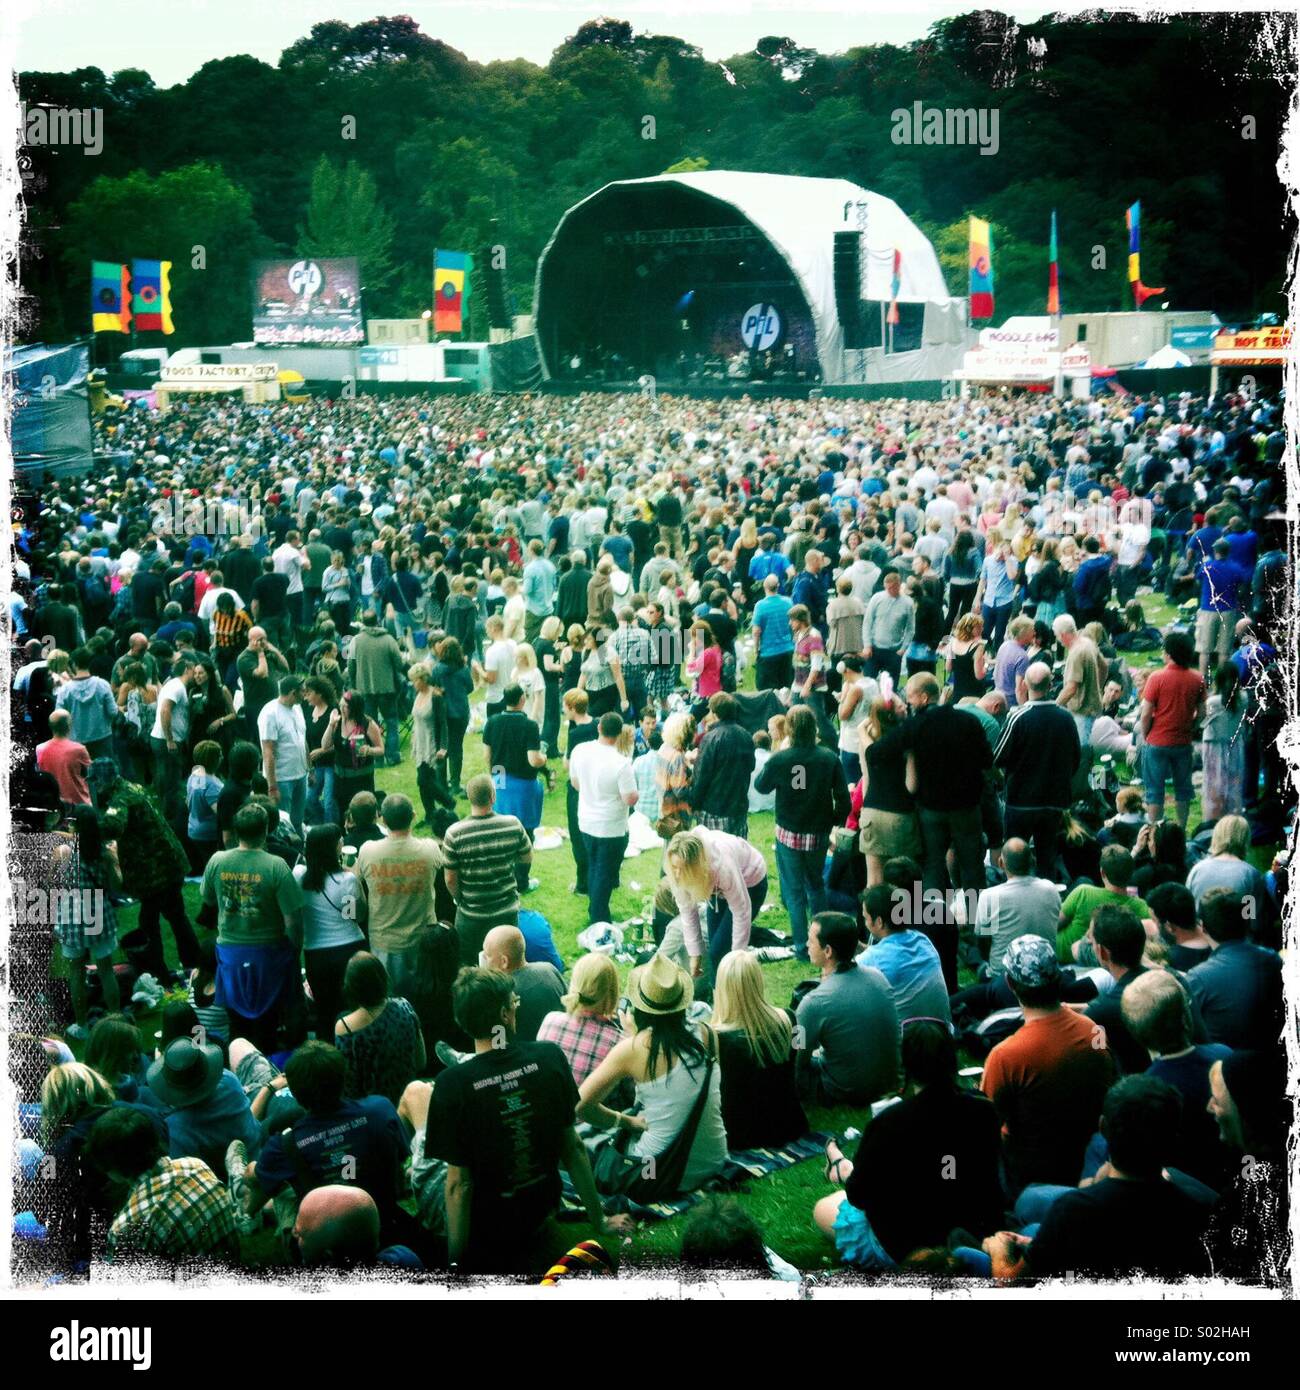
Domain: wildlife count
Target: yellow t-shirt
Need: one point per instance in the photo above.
(398, 873)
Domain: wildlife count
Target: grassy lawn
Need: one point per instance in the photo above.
(783, 1202)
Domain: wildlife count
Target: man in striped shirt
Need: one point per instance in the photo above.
(481, 854)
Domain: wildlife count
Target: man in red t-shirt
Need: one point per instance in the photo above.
(1048, 1080)
(65, 760)
(1173, 704)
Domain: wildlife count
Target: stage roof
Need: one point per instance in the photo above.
(799, 217)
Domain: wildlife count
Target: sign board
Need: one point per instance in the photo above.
(1252, 347)
(760, 327)
(308, 301)
(212, 372)
(1194, 339)
(1026, 333)
(379, 357)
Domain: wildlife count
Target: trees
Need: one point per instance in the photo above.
(344, 218)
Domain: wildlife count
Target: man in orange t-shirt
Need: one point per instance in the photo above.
(1048, 1080)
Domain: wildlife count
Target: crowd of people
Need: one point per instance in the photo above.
(913, 641)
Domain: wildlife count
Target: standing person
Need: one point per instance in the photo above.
(581, 729)
(87, 864)
(539, 591)
(548, 661)
(89, 700)
(856, 697)
(482, 857)
(514, 748)
(1084, 678)
(961, 572)
(153, 866)
(809, 674)
(452, 677)
(844, 621)
(1012, 661)
(995, 595)
(719, 789)
(947, 756)
(202, 794)
(429, 743)
(355, 742)
(65, 760)
(887, 628)
(283, 734)
(1223, 583)
(601, 674)
(773, 642)
(1039, 754)
(607, 792)
(812, 796)
(170, 730)
(631, 645)
(258, 907)
(333, 910)
(291, 560)
(723, 874)
(498, 668)
(322, 804)
(704, 663)
(887, 818)
(260, 666)
(1092, 583)
(848, 1024)
(1224, 737)
(1173, 704)
(398, 873)
(377, 670)
(1047, 1081)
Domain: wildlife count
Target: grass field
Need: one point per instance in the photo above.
(783, 1202)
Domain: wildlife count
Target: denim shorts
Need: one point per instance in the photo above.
(1159, 765)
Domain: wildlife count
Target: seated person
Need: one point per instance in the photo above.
(1084, 899)
(924, 1167)
(208, 1108)
(1127, 822)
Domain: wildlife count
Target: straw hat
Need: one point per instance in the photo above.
(660, 988)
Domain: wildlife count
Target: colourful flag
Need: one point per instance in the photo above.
(895, 285)
(1133, 220)
(151, 285)
(110, 302)
(1053, 283)
(451, 272)
(981, 270)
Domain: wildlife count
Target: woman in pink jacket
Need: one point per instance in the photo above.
(709, 868)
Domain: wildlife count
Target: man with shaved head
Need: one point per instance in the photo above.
(540, 986)
(1039, 752)
(260, 667)
(337, 1226)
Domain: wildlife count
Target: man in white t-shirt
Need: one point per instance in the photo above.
(171, 727)
(283, 734)
(498, 664)
(208, 604)
(290, 559)
(607, 791)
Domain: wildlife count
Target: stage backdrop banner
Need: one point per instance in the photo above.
(308, 301)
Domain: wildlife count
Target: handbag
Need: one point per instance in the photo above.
(621, 1174)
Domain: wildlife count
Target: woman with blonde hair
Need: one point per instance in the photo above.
(1226, 866)
(727, 877)
(887, 822)
(74, 1201)
(967, 658)
(673, 773)
(546, 648)
(760, 1102)
(429, 742)
(588, 1028)
(530, 680)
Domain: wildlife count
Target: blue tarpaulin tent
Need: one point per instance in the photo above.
(50, 426)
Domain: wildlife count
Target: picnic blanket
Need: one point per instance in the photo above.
(742, 1166)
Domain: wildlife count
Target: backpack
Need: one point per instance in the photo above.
(184, 592)
(94, 592)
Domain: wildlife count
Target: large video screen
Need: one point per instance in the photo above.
(308, 301)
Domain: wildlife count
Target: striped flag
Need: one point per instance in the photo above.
(895, 285)
(1133, 220)
(1053, 282)
(110, 297)
(981, 270)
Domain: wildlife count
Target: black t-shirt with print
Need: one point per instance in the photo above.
(503, 1115)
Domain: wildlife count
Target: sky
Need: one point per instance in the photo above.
(171, 42)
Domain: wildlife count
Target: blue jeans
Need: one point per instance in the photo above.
(385, 707)
(293, 798)
(995, 623)
(803, 890)
(604, 861)
(1034, 1202)
(720, 921)
(1162, 764)
(322, 804)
